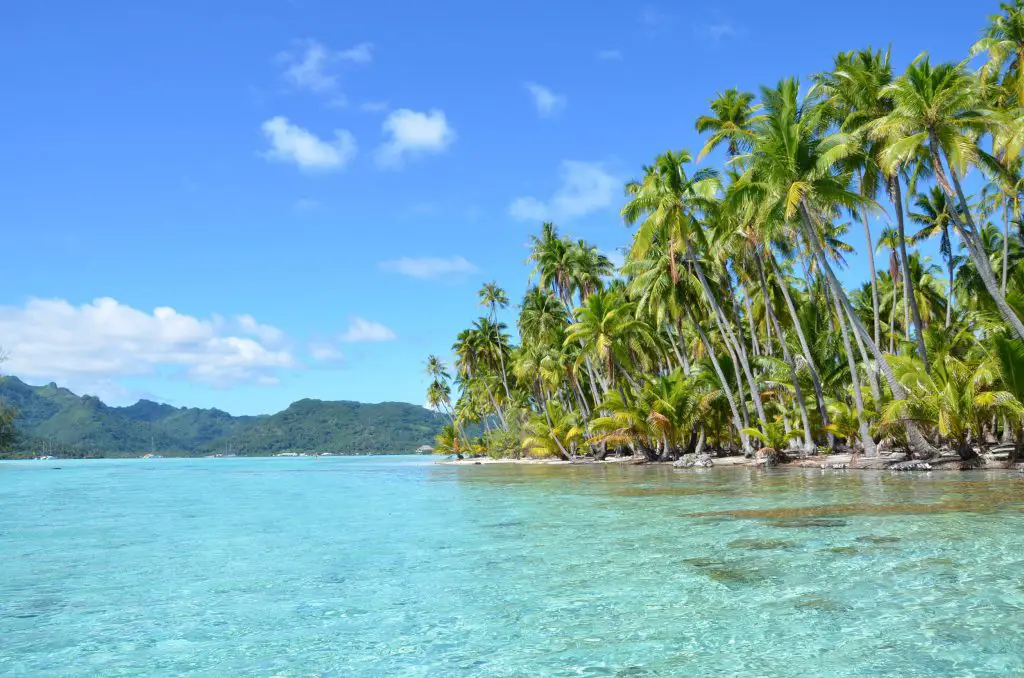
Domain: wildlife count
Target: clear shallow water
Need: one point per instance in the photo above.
(400, 567)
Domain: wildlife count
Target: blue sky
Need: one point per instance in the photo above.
(243, 203)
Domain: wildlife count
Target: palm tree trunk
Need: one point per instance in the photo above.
(804, 346)
(504, 376)
(1006, 245)
(678, 348)
(724, 327)
(908, 285)
(892, 320)
(871, 269)
(968, 232)
(867, 443)
(497, 409)
(750, 324)
(798, 394)
(725, 383)
(872, 372)
(949, 295)
(918, 444)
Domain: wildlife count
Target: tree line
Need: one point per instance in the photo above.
(727, 327)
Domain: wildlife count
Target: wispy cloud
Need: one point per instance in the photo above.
(586, 187)
(361, 329)
(609, 55)
(653, 20)
(323, 351)
(430, 268)
(719, 31)
(547, 102)
(312, 67)
(360, 54)
(373, 106)
(306, 205)
(412, 133)
(290, 143)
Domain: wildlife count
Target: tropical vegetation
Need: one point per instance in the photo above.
(728, 327)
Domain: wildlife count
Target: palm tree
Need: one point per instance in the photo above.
(607, 328)
(732, 118)
(449, 441)
(1003, 44)
(956, 398)
(492, 345)
(856, 88)
(934, 109)
(849, 92)
(933, 215)
(555, 432)
(493, 297)
(542, 319)
(793, 176)
(551, 256)
(668, 202)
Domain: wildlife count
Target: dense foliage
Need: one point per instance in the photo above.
(53, 420)
(727, 326)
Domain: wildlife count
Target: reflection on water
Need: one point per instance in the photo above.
(379, 567)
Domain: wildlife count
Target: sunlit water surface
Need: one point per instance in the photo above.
(401, 567)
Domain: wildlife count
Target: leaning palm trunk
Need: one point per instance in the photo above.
(804, 346)
(917, 443)
(871, 371)
(497, 408)
(797, 392)
(736, 422)
(949, 294)
(1006, 245)
(871, 268)
(867, 443)
(727, 333)
(908, 285)
(968, 232)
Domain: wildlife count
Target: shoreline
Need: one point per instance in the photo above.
(834, 462)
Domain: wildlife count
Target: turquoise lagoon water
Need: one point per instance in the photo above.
(402, 567)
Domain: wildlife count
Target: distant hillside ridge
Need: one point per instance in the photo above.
(52, 420)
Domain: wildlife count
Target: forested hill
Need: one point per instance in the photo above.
(53, 420)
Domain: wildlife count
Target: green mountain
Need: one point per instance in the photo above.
(53, 420)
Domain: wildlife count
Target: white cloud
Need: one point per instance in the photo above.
(413, 133)
(586, 187)
(428, 268)
(292, 144)
(323, 351)
(93, 345)
(718, 31)
(311, 69)
(609, 55)
(268, 334)
(360, 329)
(373, 106)
(360, 54)
(547, 102)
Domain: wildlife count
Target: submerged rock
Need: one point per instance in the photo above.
(760, 544)
(911, 466)
(878, 539)
(807, 522)
(844, 550)
(692, 460)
